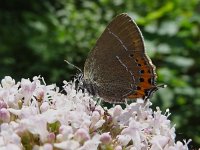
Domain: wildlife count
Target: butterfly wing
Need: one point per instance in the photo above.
(117, 67)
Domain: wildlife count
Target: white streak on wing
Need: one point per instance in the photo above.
(122, 63)
(118, 39)
(132, 77)
(126, 68)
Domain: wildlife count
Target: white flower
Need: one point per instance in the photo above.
(10, 147)
(36, 125)
(68, 145)
(59, 138)
(25, 112)
(159, 142)
(7, 82)
(41, 115)
(118, 147)
(95, 118)
(99, 124)
(44, 106)
(180, 146)
(117, 111)
(27, 89)
(8, 137)
(123, 139)
(91, 144)
(134, 130)
(46, 146)
(66, 131)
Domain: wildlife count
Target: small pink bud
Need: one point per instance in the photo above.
(44, 107)
(66, 131)
(95, 117)
(82, 135)
(40, 94)
(117, 111)
(105, 138)
(3, 104)
(123, 139)
(118, 147)
(51, 137)
(4, 115)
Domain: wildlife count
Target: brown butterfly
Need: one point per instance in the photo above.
(118, 67)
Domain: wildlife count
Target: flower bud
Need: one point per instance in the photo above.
(4, 115)
(82, 135)
(105, 138)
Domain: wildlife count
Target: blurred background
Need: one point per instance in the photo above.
(37, 36)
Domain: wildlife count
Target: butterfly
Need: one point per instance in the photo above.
(118, 67)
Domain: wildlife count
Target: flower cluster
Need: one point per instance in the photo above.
(37, 116)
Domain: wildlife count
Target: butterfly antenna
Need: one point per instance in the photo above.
(153, 90)
(74, 66)
(161, 86)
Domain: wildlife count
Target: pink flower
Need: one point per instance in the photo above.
(36, 125)
(123, 139)
(134, 131)
(51, 137)
(9, 137)
(105, 138)
(66, 131)
(10, 147)
(91, 144)
(72, 121)
(4, 115)
(180, 146)
(39, 93)
(27, 89)
(117, 111)
(3, 104)
(48, 146)
(96, 121)
(44, 106)
(118, 147)
(81, 135)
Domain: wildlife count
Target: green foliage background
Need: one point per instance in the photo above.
(37, 36)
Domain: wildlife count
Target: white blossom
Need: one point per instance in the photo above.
(46, 118)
